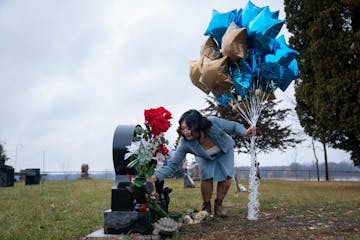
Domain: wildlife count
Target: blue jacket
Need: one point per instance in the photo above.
(219, 166)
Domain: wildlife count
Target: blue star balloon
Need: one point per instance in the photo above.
(244, 66)
(249, 13)
(272, 71)
(224, 99)
(275, 14)
(264, 28)
(281, 76)
(219, 23)
(290, 73)
(241, 78)
(238, 17)
(283, 53)
(270, 62)
(255, 59)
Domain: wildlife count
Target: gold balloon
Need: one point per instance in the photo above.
(210, 49)
(195, 75)
(234, 43)
(215, 75)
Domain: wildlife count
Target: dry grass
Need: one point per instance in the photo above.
(54, 210)
(289, 210)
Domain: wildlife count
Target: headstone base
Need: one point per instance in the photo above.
(118, 222)
(100, 235)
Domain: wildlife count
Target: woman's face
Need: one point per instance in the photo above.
(186, 132)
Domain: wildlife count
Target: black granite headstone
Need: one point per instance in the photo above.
(32, 176)
(120, 194)
(122, 218)
(127, 200)
(117, 222)
(123, 136)
(6, 176)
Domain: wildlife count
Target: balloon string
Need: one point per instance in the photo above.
(250, 112)
(251, 108)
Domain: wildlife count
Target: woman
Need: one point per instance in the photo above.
(209, 140)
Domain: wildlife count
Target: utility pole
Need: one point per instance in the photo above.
(43, 169)
(16, 153)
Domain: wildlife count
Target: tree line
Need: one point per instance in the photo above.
(326, 33)
(343, 169)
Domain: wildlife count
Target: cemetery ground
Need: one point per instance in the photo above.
(72, 209)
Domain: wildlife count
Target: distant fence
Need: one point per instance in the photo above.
(301, 175)
(72, 175)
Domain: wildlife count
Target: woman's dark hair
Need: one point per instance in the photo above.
(195, 121)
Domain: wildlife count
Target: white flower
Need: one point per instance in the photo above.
(159, 160)
(132, 149)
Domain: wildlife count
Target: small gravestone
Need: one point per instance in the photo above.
(188, 182)
(32, 176)
(195, 173)
(6, 175)
(84, 171)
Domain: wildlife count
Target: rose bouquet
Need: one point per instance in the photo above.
(147, 152)
(149, 148)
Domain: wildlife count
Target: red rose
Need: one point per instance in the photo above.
(143, 208)
(165, 113)
(164, 150)
(157, 119)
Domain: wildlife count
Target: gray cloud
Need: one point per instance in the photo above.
(71, 71)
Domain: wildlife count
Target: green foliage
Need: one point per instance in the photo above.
(144, 150)
(327, 35)
(154, 206)
(270, 133)
(3, 156)
(144, 155)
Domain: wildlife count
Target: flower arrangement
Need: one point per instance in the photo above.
(146, 152)
(149, 147)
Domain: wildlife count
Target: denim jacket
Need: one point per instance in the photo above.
(219, 132)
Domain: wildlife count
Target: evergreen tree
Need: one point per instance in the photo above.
(326, 33)
(270, 133)
(3, 156)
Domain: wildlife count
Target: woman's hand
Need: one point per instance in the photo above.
(251, 131)
(152, 179)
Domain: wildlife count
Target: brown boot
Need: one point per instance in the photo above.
(219, 210)
(206, 207)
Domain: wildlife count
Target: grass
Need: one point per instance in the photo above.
(71, 209)
(53, 210)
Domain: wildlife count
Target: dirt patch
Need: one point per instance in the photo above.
(277, 224)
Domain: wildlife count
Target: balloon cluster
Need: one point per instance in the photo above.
(243, 55)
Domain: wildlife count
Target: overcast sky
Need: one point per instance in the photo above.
(72, 71)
